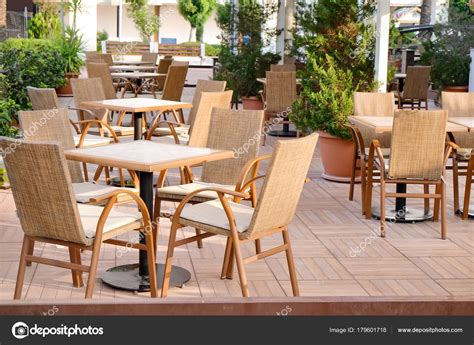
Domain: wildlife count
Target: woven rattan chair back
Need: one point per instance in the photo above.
(418, 145)
(204, 86)
(460, 104)
(174, 83)
(102, 71)
(199, 132)
(374, 104)
(92, 55)
(150, 57)
(86, 90)
(283, 184)
(42, 99)
(164, 65)
(51, 126)
(49, 209)
(280, 91)
(290, 67)
(417, 82)
(235, 130)
(108, 59)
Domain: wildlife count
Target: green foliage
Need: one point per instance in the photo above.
(30, 62)
(196, 12)
(8, 110)
(71, 46)
(46, 23)
(145, 20)
(213, 49)
(249, 62)
(101, 36)
(462, 5)
(448, 53)
(338, 42)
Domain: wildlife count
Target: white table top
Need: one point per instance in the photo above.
(137, 75)
(136, 63)
(264, 80)
(463, 121)
(146, 155)
(136, 105)
(133, 68)
(384, 124)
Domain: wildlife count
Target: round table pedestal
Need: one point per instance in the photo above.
(126, 277)
(411, 215)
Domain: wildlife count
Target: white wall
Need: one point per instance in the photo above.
(86, 22)
(107, 20)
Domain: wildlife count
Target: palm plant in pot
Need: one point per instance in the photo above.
(448, 52)
(245, 36)
(339, 44)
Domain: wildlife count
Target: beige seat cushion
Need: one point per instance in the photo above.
(87, 190)
(90, 215)
(119, 130)
(161, 131)
(178, 192)
(169, 139)
(92, 140)
(464, 154)
(210, 216)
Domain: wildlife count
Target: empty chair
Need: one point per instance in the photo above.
(461, 104)
(290, 67)
(415, 90)
(107, 58)
(102, 71)
(368, 104)
(273, 212)
(201, 86)
(46, 99)
(163, 67)
(174, 83)
(280, 93)
(418, 156)
(150, 57)
(49, 213)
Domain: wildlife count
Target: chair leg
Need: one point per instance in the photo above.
(258, 246)
(443, 210)
(368, 195)
(291, 263)
(467, 191)
(20, 278)
(150, 252)
(31, 249)
(426, 201)
(93, 268)
(156, 222)
(169, 257)
(456, 185)
(240, 264)
(363, 184)
(199, 242)
(227, 255)
(86, 174)
(437, 203)
(75, 258)
(353, 173)
(382, 208)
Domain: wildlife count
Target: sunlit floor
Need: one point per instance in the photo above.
(412, 261)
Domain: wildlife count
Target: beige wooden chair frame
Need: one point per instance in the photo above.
(416, 88)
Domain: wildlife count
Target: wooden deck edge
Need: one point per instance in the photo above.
(300, 306)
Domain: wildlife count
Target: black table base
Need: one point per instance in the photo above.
(127, 277)
(470, 214)
(285, 133)
(410, 215)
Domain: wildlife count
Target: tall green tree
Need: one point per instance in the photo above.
(145, 20)
(196, 12)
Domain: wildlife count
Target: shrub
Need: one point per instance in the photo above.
(30, 62)
(8, 110)
(213, 49)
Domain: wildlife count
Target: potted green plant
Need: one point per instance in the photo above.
(339, 44)
(71, 47)
(8, 109)
(244, 54)
(448, 52)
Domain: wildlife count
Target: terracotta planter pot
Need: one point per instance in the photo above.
(464, 88)
(66, 90)
(336, 155)
(252, 103)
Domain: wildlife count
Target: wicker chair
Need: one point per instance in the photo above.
(368, 104)
(49, 213)
(272, 214)
(415, 89)
(418, 155)
(461, 104)
(201, 86)
(150, 57)
(92, 55)
(91, 89)
(163, 67)
(107, 58)
(290, 67)
(46, 99)
(56, 129)
(280, 93)
(102, 71)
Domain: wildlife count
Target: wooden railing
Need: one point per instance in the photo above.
(138, 48)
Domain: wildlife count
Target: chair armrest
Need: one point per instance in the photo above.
(112, 200)
(376, 148)
(87, 127)
(450, 147)
(171, 125)
(251, 167)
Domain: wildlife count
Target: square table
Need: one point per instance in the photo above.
(143, 68)
(145, 157)
(133, 63)
(138, 106)
(463, 121)
(138, 77)
(384, 124)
